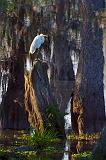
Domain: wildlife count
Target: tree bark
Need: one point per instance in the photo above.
(12, 111)
(88, 109)
(38, 98)
(37, 94)
(62, 74)
(99, 151)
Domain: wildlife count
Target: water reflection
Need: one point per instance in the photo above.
(66, 149)
(76, 147)
(7, 138)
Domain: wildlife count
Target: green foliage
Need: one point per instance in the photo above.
(2, 152)
(87, 137)
(31, 146)
(30, 155)
(54, 119)
(7, 5)
(41, 140)
(82, 155)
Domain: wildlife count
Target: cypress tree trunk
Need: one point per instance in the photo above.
(99, 151)
(39, 100)
(62, 74)
(37, 94)
(88, 109)
(12, 111)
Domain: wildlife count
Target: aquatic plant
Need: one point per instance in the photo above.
(82, 155)
(2, 152)
(41, 140)
(87, 137)
(30, 155)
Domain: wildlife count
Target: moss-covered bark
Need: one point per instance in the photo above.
(88, 109)
(39, 100)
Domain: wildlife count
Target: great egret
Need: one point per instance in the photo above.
(36, 43)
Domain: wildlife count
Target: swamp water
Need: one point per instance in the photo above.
(62, 150)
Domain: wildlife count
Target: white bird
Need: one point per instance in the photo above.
(36, 43)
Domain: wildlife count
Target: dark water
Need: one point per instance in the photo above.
(63, 149)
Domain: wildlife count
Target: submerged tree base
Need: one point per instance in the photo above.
(40, 105)
(32, 106)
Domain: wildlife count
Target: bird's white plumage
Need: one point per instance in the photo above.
(36, 43)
